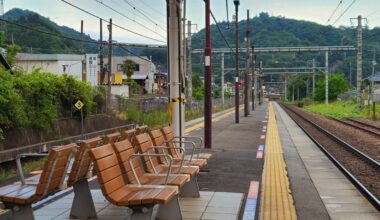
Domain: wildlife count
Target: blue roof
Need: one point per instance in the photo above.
(375, 78)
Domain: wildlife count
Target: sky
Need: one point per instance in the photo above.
(148, 17)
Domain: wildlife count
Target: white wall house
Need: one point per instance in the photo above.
(70, 64)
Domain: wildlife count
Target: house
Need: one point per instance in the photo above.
(144, 71)
(70, 64)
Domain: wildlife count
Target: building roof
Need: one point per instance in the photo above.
(375, 78)
(49, 57)
(139, 76)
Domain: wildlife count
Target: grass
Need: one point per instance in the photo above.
(340, 109)
(27, 166)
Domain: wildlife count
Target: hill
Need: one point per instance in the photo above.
(43, 43)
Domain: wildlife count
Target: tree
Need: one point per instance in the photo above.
(337, 85)
(129, 67)
(12, 50)
(198, 88)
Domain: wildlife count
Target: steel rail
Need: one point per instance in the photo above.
(366, 193)
(363, 123)
(357, 126)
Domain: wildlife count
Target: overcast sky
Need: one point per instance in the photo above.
(153, 12)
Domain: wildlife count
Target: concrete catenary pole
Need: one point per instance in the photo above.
(237, 78)
(359, 65)
(109, 64)
(373, 72)
(175, 64)
(247, 71)
(327, 78)
(188, 58)
(208, 78)
(222, 75)
(261, 76)
(313, 79)
(286, 90)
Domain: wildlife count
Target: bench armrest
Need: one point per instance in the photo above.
(194, 137)
(19, 165)
(178, 148)
(150, 155)
(185, 142)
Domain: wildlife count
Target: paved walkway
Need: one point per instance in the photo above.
(339, 197)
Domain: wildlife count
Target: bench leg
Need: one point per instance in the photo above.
(83, 205)
(142, 213)
(20, 212)
(170, 211)
(190, 189)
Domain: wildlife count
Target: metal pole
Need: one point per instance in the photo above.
(189, 63)
(222, 76)
(246, 77)
(286, 90)
(373, 71)
(208, 78)
(253, 57)
(237, 78)
(327, 78)
(350, 74)
(313, 78)
(359, 65)
(81, 37)
(261, 83)
(109, 65)
(101, 52)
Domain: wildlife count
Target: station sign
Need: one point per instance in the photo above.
(92, 69)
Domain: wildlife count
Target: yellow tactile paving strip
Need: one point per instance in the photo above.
(276, 198)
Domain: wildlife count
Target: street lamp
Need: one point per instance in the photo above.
(237, 80)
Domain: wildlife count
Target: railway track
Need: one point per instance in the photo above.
(371, 129)
(362, 170)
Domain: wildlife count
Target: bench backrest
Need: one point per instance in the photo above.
(124, 150)
(158, 140)
(54, 170)
(128, 134)
(141, 129)
(111, 138)
(108, 170)
(82, 161)
(143, 142)
(169, 136)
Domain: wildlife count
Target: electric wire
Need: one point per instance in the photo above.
(221, 33)
(147, 5)
(143, 14)
(131, 19)
(113, 24)
(344, 12)
(333, 13)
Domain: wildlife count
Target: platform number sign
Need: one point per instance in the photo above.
(79, 105)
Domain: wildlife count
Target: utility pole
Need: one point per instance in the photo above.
(208, 78)
(261, 83)
(81, 36)
(359, 64)
(189, 70)
(327, 78)
(222, 75)
(109, 64)
(254, 78)
(237, 78)
(175, 65)
(285, 90)
(247, 72)
(373, 71)
(101, 53)
(350, 74)
(313, 86)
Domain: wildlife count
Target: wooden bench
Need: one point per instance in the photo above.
(140, 198)
(128, 134)
(83, 205)
(169, 136)
(158, 140)
(112, 138)
(19, 197)
(154, 165)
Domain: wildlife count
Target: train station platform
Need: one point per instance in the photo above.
(265, 167)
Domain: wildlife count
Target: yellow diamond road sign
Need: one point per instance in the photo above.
(79, 105)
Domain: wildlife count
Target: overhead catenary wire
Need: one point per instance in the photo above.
(154, 9)
(221, 33)
(113, 24)
(143, 13)
(344, 12)
(131, 19)
(333, 13)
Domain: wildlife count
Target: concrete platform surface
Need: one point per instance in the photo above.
(211, 205)
(339, 197)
